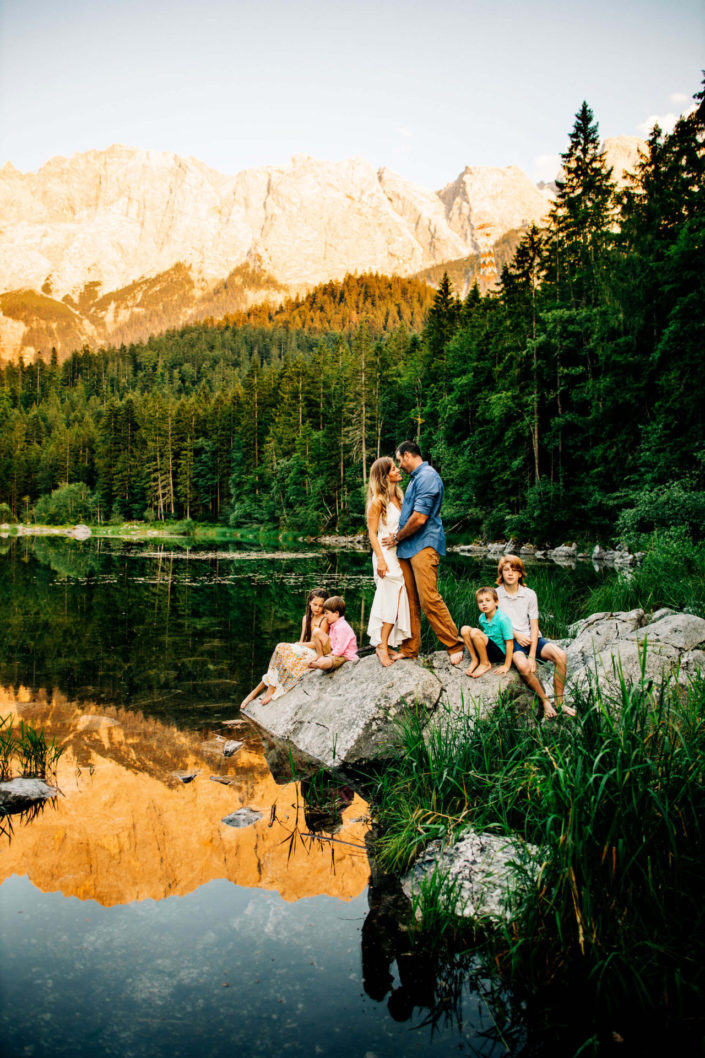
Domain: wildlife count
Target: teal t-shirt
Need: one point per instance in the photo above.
(499, 629)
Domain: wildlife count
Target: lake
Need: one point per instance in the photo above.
(134, 921)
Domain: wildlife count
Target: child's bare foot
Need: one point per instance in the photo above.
(472, 666)
(567, 709)
(383, 657)
(481, 670)
(267, 699)
(250, 698)
(456, 657)
(549, 713)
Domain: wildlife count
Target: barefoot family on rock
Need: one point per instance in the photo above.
(407, 539)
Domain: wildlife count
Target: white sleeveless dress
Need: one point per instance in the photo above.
(391, 603)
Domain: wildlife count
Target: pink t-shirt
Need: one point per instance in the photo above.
(343, 642)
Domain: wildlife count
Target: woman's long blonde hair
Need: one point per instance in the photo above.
(380, 489)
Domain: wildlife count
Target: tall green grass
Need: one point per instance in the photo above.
(29, 748)
(672, 573)
(616, 801)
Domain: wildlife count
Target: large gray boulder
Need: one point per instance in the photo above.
(627, 646)
(349, 715)
(462, 694)
(598, 632)
(483, 875)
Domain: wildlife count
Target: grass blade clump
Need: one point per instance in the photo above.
(616, 800)
(7, 746)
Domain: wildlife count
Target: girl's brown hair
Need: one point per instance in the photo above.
(380, 488)
(516, 563)
(315, 593)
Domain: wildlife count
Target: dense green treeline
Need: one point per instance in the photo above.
(569, 404)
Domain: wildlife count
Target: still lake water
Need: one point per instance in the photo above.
(133, 920)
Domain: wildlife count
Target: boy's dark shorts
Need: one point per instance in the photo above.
(541, 643)
(495, 654)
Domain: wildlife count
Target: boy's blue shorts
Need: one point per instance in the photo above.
(495, 654)
(539, 648)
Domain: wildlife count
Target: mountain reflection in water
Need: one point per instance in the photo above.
(127, 828)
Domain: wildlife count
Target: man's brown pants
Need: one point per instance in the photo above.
(421, 579)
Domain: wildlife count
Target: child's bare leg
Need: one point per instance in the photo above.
(318, 638)
(323, 662)
(531, 680)
(252, 695)
(382, 648)
(474, 661)
(480, 641)
(558, 657)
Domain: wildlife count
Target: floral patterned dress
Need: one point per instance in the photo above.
(288, 663)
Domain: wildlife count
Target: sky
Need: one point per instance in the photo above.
(424, 87)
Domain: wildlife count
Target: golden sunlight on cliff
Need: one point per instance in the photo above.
(127, 828)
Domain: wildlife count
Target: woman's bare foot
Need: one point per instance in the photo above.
(456, 657)
(471, 668)
(384, 657)
(567, 709)
(481, 670)
(549, 713)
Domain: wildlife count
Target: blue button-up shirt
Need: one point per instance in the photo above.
(424, 494)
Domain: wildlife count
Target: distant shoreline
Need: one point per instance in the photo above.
(563, 555)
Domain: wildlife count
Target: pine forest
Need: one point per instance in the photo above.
(568, 404)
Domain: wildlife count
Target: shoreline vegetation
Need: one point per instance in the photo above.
(606, 947)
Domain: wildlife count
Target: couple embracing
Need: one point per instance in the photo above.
(407, 538)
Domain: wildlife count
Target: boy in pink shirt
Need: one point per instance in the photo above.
(338, 644)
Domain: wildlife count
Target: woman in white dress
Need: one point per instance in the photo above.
(389, 623)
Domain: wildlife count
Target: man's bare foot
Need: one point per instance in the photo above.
(471, 668)
(549, 713)
(481, 670)
(384, 657)
(456, 657)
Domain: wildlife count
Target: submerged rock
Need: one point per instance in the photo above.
(16, 795)
(231, 746)
(244, 817)
(483, 875)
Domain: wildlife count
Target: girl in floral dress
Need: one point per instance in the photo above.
(289, 662)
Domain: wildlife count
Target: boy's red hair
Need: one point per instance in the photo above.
(516, 563)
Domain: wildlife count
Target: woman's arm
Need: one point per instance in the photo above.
(372, 527)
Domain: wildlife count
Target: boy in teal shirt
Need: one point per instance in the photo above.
(493, 641)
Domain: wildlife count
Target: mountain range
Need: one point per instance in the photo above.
(111, 246)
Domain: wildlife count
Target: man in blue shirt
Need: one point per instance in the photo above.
(421, 541)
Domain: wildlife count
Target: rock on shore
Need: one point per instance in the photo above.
(348, 716)
(611, 645)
